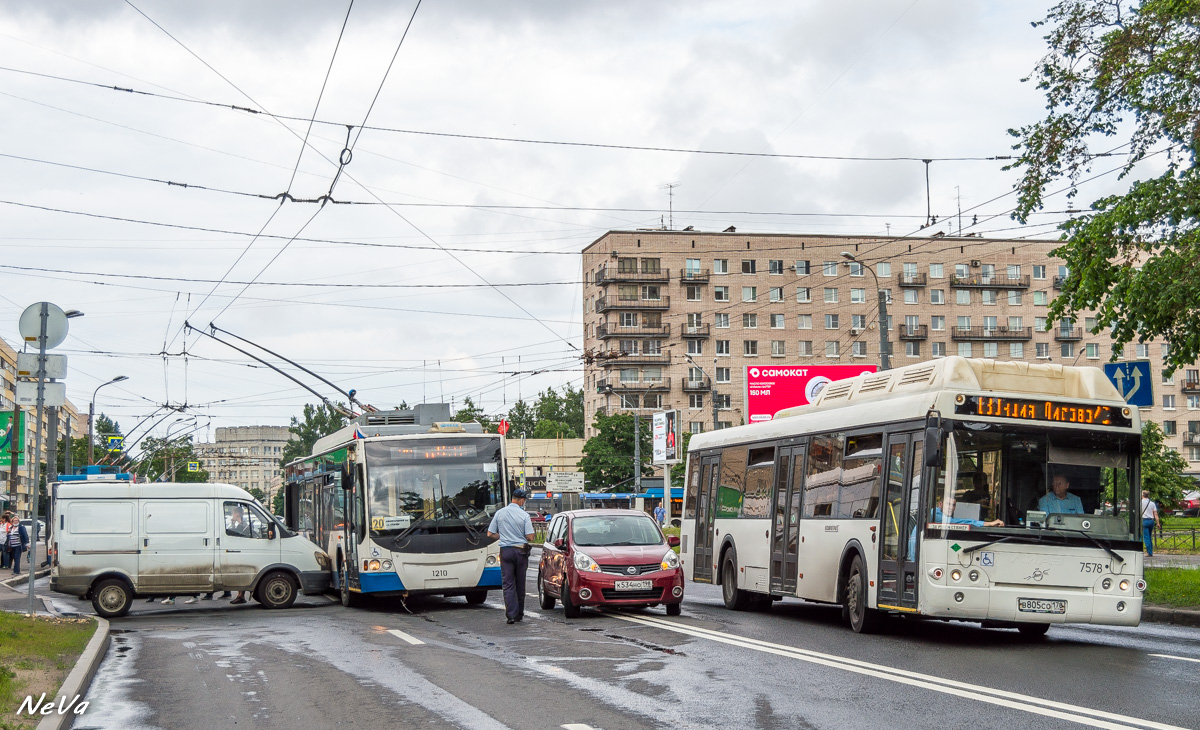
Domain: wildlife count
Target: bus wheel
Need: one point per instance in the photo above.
(277, 590)
(475, 598)
(862, 619)
(111, 598)
(1033, 631)
(735, 598)
(545, 600)
(349, 600)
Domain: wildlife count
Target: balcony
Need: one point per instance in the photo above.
(911, 280)
(616, 359)
(693, 276)
(1058, 282)
(662, 384)
(703, 385)
(915, 332)
(1190, 386)
(695, 331)
(1191, 438)
(606, 331)
(604, 277)
(991, 333)
(980, 281)
(604, 304)
(1068, 334)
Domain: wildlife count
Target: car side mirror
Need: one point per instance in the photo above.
(271, 532)
(560, 544)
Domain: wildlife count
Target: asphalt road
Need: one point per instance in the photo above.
(447, 664)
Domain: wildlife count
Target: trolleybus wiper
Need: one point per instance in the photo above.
(416, 523)
(1095, 542)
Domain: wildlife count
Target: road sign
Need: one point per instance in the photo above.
(53, 394)
(114, 443)
(666, 437)
(503, 427)
(30, 324)
(193, 466)
(1133, 381)
(771, 389)
(6, 439)
(564, 481)
(27, 365)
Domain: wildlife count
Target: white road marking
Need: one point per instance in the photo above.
(1014, 700)
(1180, 658)
(401, 635)
(333, 598)
(531, 595)
(576, 726)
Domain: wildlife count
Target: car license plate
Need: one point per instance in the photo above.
(634, 585)
(1038, 605)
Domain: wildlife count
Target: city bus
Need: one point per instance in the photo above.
(930, 490)
(401, 501)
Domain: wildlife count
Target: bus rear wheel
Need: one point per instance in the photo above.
(735, 598)
(862, 619)
(474, 598)
(349, 600)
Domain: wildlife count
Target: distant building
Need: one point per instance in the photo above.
(540, 457)
(246, 456)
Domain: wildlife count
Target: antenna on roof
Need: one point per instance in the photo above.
(670, 202)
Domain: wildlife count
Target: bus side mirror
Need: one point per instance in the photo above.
(346, 477)
(933, 440)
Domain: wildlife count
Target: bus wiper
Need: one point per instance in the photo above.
(1112, 553)
(973, 548)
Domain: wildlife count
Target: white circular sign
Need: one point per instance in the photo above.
(31, 324)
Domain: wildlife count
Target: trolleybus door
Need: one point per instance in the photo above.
(902, 495)
(702, 557)
(785, 519)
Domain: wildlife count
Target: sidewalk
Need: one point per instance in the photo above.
(1163, 560)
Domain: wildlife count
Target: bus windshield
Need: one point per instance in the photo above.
(1037, 481)
(433, 486)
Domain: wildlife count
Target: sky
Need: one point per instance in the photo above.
(444, 263)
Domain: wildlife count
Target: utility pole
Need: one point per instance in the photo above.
(637, 454)
(884, 359)
(67, 441)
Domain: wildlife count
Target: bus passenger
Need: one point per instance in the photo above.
(1060, 500)
(940, 517)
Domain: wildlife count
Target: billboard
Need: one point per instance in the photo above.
(772, 388)
(6, 439)
(666, 437)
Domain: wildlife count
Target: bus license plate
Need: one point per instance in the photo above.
(634, 585)
(1037, 605)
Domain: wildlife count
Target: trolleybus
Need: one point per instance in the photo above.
(974, 490)
(401, 501)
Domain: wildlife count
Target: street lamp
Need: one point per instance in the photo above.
(91, 417)
(884, 361)
(713, 395)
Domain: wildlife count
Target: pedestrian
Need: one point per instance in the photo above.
(514, 529)
(660, 514)
(18, 541)
(1149, 520)
(5, 526)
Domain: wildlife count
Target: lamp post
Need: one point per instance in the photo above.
(91, 417)
(713, 393)
(884, 360)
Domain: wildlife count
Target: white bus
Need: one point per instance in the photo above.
(401, 502)
(929, 490)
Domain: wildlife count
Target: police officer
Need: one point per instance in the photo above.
(515, 531)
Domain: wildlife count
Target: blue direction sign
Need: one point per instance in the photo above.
(1133, 381)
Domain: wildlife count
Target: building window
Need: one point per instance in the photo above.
(937, 296)
(1168, 401)
(652, 400)
(628, 347)
(693, 292)
(803, 294)
(830, 268)
(856, 269)
(1015, 323)
(989, 297)
(1170, 379)
(775, 267)
(858, 296)
(936, 271)
(1067, 349)
(695, 401)
(723, 347)
(964, 349)
(778, 348)
(991, 349)
(1165, 349)
(831, 321)
(937, 349)
(695, 347)
(627, 292)
(1092, 351)
(962, 296)
(1040, 299)
(1193, 402)
(883, 268)
(776, 294)
(652, 347)
(724, 403)
(858, 321)
(720, 266)
(1042, 350)
(652, 292)
(749, 266)
(858, 349)
(1039, 271)
(801, 268)
(1016, 350)
(691, 267)
(832, 349)
(910, 296)
(720, 293)
(912, 349)
(1169, 428)
(1142, 350)
(723, 375)
(750, 348)
(937, 322)
(831, 295)
(805, 348)
(651, 266)
(627, 319)
(1014, 297)
(696, 426)
(630, 400)
(749, 321)
(804, 321)
(749, 294)
(1014, 271)
(721, 320)
(776, 321)
(627, 266)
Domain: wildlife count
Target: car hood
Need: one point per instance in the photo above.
(625, 554)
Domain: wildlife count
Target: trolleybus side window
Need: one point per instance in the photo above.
(760, 466)
(732, 487)
(824, 473)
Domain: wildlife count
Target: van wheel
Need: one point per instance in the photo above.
(277, 590)
(474, 598)
(735, 599)
(862, 619)
(112, 598)
(570, 610)
(349, 600)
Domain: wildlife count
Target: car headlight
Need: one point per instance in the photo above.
(583, 561)
(670, 560)
(322, 560)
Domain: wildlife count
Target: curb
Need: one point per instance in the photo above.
(24, 578)
(75, 686)
(1177, 616)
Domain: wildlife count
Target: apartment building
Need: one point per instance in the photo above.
(246, 456)
(730, 299)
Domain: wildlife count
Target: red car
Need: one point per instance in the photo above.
(608, 557)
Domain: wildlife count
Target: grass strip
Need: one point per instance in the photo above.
(1174, 587)
(36, 654)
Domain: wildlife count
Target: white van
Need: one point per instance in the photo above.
(113, 541)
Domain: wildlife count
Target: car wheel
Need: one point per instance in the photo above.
(1033, 631)
(349, 600)
(545, 600)
(862, 619)
(474, 598)
(112, 598)
(277, 590)
(735, 598)
(570, 610)
(674, 609)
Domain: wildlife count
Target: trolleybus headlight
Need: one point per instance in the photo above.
(374, 565)
(492, 561)
(973, 575)
(387, 565)
(1125, 585)
(1141, 584)
(1106, 583)
(670, 560)
(956, 575)
(583, 561)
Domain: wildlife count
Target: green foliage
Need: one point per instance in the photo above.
(572, 409)
(548, 429)
(551, 415)
(277, 503)
(166, 460)
(549, 406)
(521, 419)
(319, 420)
(1119, 69)
(677, 471)
(1162, 469)
(1178, 587)
(608, 456)
(258, 494)
(471, 412)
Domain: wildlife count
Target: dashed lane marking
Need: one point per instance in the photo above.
(576, 726)
(401, 635)
(1177, 658)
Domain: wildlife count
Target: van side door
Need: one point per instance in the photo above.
(247, 544)
(177, 546)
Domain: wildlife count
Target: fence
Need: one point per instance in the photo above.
(1182, 540)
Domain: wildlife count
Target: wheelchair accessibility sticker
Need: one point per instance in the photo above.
(987, 560)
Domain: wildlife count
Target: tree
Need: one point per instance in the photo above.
(1119, 69)
(608, 456)
(552, 430)
(166, 460)
(258, 494)
(573, 409)
(1162, 470)
(319, 420)
(549, 406)
(277, 503)
(521, 419)
(471, 412)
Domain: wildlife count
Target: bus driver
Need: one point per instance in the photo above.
(1060, 500)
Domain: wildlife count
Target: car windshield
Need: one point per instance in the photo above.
(606, 530)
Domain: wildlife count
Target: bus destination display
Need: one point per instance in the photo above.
(1021, 409)
(438, 451)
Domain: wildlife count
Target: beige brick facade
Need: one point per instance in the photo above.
(734, 299)
(246, 456)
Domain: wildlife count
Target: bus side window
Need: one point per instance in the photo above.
(823, 475)
(732, 487)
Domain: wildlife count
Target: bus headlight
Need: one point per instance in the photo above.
(1106, 583)
(670, 560)
(956, 575)
(1124, 585)
(492, 561)
(374, 565)
(583, 561)
(387, 565)
(973, 575)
